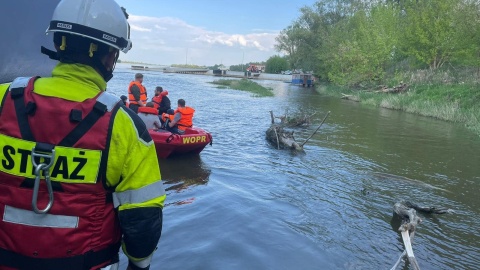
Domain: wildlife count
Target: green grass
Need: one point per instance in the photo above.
(449, 102)
(245, 85)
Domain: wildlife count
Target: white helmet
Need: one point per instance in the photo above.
(101, 20)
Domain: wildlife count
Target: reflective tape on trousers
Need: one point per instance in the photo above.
(140, 195)
(29, 218)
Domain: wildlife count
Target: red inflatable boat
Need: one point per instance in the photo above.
(167, 143)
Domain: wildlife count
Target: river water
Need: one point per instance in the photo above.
(242, 204)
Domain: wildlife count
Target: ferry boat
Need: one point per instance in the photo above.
(304, 79)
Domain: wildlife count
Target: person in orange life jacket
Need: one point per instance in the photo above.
(124, 100)
(98, 185)
(137, 93)
(182, 119)
(164, 104)
(168, 116)
(159, 94)
(149, 115)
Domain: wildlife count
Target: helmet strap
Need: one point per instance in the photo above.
(51, 54)
(106, 74)
(94, 62)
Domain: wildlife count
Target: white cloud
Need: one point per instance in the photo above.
(166, 40)
(140, 29)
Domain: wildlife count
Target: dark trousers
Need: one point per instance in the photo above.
(134, 107)
(174, 129)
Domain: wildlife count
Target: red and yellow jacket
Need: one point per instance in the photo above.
(101, 189)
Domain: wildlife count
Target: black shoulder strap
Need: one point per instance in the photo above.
(17, 89)
(105, 102)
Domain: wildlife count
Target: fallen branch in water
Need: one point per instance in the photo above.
(323, 121)
(283, 139)
(407, 211)
(295, 120)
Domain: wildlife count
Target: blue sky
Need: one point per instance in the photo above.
(207, 32)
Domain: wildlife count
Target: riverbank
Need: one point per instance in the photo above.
(244, 85)
(455, 102)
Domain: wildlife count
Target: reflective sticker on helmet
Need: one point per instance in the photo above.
(110, 38)
(64, 26)
(71, 165)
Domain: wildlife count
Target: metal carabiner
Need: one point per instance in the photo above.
(51, 159)
(36, 186)
(38, 169)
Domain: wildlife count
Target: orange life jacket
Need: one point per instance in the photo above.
(148, 110)
(158, 99)
(187, 117)
(166, 116)
(143, 93)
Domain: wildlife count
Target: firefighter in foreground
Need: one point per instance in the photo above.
(79, 176)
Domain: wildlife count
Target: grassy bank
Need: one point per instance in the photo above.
(454, 102)
(245, 85)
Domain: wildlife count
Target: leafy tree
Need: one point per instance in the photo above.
(276, 64)
(214, 67)
(357, 42)
(429, 31)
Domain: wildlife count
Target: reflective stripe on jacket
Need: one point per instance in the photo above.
(187, 117)
(143, 93)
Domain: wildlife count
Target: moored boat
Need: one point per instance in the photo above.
(193, 141)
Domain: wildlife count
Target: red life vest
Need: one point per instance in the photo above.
(148, 110)
(187, 117)
(81, 229)
(158, 99)
(143, 93)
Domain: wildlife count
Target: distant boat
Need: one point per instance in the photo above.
(139, 67)
(185, 70)
(304, 79)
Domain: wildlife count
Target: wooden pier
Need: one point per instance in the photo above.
(185, 70)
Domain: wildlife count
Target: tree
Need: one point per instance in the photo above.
(214, 67)
(358, 42)
(429, 31)
(276, 64)
(365, 46)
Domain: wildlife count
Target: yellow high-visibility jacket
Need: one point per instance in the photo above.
(132, 160)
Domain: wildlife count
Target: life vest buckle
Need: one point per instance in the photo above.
(48, 160)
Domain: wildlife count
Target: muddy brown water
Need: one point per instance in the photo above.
(242, 204)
